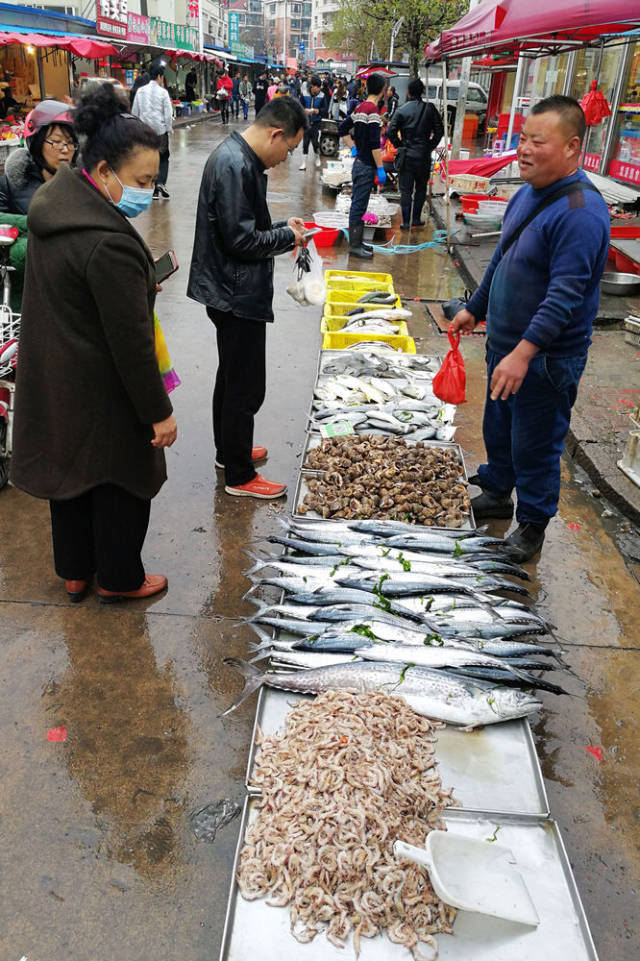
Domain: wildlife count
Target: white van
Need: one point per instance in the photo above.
(476, 98)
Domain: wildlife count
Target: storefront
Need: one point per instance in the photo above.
(624, 163)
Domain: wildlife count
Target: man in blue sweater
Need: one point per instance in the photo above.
(539, 296)
(316, 108)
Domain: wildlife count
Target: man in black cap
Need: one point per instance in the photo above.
(260, 91)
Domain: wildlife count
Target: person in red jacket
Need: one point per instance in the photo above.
(224, 87)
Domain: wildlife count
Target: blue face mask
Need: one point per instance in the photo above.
(134, 200)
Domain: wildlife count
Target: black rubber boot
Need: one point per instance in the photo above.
(490, 503)
(356, 247)
(525, 542)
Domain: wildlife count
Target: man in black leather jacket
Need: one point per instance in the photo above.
(232, 275)
(417, 126)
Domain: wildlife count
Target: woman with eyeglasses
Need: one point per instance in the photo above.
(49, 143)
(92, 416)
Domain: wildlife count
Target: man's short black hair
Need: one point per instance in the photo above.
(569, 111)
(375, 84)
(284, 112)
(416, 89)
(315, 81)
(156, 70)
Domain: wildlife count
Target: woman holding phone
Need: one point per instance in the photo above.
(92, 415)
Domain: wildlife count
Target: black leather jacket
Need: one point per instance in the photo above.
(419, 142)
(235, 241)
(20, 180)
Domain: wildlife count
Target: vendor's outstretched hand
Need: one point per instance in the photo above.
(512, 370)
(463, 323)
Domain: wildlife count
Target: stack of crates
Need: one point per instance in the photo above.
(344, 289)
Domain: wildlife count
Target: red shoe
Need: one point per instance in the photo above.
(258, 487)
(76, 590)
(153, 584)
(257, 453)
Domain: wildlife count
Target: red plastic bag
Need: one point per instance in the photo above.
(449, 383)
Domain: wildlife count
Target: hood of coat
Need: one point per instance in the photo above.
(69, 202)
(21, 169)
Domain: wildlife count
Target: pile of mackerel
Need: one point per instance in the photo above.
(436, 617)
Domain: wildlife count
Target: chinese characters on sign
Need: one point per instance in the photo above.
(138, 28)
(625, 171)
(111, 17)
(234, 25)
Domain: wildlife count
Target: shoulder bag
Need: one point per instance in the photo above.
(401, 155)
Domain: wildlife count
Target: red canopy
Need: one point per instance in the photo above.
(83, 47)
(363, 72)
(547, 25)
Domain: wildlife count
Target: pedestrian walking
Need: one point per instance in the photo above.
(232, 275)
(539, 295)
(271, 89)
(153, 106)
(362, 129)
(260, 91)
(246, 90)
(339, 105)
(235, 95)
(392, 102)
(140, 81)
(415, 129)
(191, 86)
(316, 108)
(49, 143)
(92, 415)
(224, 86)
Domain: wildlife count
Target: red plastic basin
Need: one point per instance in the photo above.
(327, 236)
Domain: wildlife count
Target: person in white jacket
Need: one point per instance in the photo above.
(153, 106)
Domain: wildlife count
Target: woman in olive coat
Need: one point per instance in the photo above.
(92, 415)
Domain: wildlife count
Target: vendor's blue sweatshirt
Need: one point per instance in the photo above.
(546, 287)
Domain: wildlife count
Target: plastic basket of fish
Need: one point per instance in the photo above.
(339, 303)
(357, 280)
(337, 340)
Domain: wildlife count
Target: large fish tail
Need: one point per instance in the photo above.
(259, 563)
(253, 679)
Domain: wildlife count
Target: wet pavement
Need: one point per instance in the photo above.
(98, 858)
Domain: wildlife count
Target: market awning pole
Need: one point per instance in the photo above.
(445, 161)
(514, 101)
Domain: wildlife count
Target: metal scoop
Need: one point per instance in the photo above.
(473, 876)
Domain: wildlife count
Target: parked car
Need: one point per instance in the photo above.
(476, 99)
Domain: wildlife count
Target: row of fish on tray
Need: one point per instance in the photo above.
(391, 397)
(381, 605)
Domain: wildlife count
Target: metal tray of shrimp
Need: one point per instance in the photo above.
(254, 929)
(492, 769)
(307, 474)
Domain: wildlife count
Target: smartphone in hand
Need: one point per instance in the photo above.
(166, 265)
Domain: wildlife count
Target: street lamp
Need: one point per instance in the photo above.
(395, 30)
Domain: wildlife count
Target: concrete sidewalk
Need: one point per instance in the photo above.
(609, 390)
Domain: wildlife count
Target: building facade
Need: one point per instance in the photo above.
(288, 30)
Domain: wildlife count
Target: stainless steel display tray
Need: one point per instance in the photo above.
(254, 930)
(492, 769)
(326, 356)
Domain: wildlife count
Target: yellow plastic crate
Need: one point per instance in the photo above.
(340, 302)
(334, 339)
(357, 280)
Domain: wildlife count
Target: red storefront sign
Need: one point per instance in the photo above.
(111, 18)
(591, 161)
(138, 28)
(625, 171)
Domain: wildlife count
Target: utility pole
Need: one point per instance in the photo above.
(395, 30)
(284, 36)
(461, 104)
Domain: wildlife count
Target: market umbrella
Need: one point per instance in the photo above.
(595, 106)
(365, 72)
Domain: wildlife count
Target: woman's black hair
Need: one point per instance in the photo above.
(108, 130)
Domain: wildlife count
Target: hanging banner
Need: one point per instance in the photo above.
(138, 28)
(162, 33)
(111, 18)
(186, 38)
(234, 26)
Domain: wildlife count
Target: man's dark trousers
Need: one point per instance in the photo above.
(524, 435)
(239, 392)
(414, 172)
(363, 178)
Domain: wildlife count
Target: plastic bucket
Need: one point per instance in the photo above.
(326, 237)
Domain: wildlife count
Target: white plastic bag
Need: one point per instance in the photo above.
(307, 285)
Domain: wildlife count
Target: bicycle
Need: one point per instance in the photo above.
(9, 332)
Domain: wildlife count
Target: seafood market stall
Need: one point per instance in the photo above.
(395, 805)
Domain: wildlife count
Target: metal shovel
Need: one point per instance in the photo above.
(473, 876)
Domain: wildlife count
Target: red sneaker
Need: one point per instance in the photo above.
(259, 487)
(76, 589)
(153, 584)
(257, 454)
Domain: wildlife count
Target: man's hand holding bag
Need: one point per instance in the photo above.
(450, 381)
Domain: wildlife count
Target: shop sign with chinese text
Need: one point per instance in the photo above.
(162, 33)
(138, 28)
(111, 18)
(186, 38)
